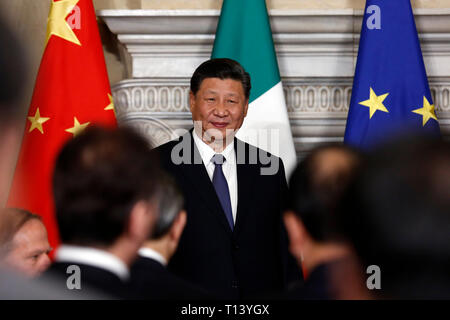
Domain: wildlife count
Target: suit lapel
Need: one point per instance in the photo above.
(246, 175)
(196, 172)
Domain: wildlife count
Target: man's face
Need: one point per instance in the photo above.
(220, 106)
(30, 249)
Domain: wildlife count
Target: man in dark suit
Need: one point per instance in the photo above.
(234, 244)
(396, 215)
(317, 187)
(104, 184)
(149, 275)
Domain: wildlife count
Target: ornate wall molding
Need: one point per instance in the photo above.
(317, 109)
(302, 96)
(316, 49)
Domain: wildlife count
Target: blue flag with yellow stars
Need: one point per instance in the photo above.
(390, 94)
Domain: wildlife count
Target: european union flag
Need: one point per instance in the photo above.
(390, 88)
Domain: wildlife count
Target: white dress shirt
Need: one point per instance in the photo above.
(152, 254)
(228, 168)
(93, 257)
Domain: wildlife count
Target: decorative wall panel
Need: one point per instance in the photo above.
(316, 51)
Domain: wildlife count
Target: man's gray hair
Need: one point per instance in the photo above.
(170, 202)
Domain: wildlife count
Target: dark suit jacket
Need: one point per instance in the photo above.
(230, 264)
(318, 285)
(151, 280)
(96, 283)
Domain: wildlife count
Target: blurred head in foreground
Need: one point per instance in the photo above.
(315, 190)
(171, 219)
(104, 184)
(316, 187)
(13, 68)
(397, 214)
(24, 243)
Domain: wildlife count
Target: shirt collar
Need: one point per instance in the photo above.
(206, 152)
(93, 257)
(152, 254)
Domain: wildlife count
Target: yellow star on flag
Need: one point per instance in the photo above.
(77, 127)
(375, 103)
(57, 24)
(427, 111)
(110, 106)
(37, 121)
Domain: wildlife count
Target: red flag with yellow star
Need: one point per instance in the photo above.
(72, 92)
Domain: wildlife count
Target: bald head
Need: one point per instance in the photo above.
(331, 168)
(317, 185)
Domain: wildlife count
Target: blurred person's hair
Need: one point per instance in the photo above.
(12, 219)
(13, 79)
(223, 69)
(397, 215)
(170, 203)
(99, 176)
(13, 71)
(317, 185)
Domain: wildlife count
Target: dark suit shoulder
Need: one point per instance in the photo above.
(183, 146)
(89, 273)
(245, 153)
(143, 265)
(151, 280)
(259, 151)
(270, 165)
(165, 147)
(316, 287)
(95, 283)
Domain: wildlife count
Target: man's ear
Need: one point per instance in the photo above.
(178, 226)
(191, 101)
(141, 221)
(246, 108)
(296, 233)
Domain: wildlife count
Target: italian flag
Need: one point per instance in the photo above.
(244, 34)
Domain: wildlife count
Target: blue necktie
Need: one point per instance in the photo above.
(221, 186)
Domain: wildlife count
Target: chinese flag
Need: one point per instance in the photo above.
(71, 93)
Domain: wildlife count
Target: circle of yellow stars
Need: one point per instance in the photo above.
(376, 103)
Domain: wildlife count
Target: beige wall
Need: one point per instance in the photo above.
(30, 26)
(29, 19)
